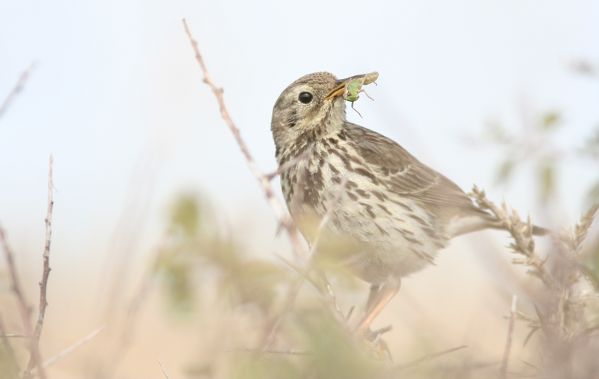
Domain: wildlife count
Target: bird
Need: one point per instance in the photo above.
(370, 204)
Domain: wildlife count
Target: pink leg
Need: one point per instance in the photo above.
(382, 298)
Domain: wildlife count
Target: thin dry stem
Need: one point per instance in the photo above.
(521, 232)
(285, 221)
(18, 87)
(278, 209)
(43, 302)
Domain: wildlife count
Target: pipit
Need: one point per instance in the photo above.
(352, 188)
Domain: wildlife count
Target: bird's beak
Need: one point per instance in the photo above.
(341, 84)
(338, 90)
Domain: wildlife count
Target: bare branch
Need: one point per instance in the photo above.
(508, 340)
(46, 263)
(18, 87)
(264, 181)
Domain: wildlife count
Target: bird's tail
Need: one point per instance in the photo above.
(484, 220)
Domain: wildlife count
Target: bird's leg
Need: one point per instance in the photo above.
(383, 296)
(374, 290)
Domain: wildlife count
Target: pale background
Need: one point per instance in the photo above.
(117, 98)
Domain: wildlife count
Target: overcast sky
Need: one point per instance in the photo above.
(117, 98)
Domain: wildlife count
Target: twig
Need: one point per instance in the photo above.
(46, 265)
(24, 308)
(427, 357)
(263, 180)
(285, 221)
(18, 87)
(508, 340)
(50, 361)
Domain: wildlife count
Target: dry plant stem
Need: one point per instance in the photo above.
(12, 95)
(508, 340)
(46, 263)
(263, 180)
(521, 232)
(23, 307)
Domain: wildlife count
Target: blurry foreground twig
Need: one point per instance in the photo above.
(18, 87)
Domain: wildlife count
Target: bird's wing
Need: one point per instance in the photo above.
(404, 174)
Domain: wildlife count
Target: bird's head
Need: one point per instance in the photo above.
(312, 102)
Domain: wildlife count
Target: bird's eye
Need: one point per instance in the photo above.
(305, 97)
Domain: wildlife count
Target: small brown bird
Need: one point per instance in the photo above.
(357, 190)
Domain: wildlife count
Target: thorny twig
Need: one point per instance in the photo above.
(46, 265)
(18, 87)
(521, 232)
(264, 180)
(508, 340)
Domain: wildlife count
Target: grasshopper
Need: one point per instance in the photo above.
(354, 85)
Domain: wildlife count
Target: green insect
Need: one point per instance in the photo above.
(354, 85)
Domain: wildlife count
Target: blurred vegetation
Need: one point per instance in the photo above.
(538, 145)
(195, 255)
